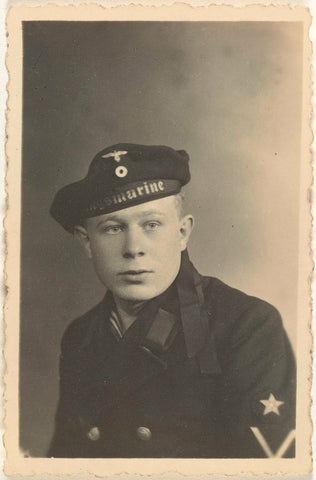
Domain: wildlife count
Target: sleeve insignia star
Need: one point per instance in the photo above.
(271, 405)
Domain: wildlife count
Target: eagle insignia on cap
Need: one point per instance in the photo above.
(120, 171)
(116, 155)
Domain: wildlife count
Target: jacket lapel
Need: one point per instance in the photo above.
(133, 360)
(198, 336)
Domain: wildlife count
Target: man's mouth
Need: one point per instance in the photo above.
(135, 277)
(135, 272)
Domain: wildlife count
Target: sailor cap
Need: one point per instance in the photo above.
(121, 176)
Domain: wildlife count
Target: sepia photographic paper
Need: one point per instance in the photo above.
(158, 229)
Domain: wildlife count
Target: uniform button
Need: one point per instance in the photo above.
(143, 433)
(93, 434)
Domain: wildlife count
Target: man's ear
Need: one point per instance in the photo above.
(186, 226)
(82, 235)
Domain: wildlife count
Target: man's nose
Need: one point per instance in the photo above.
(134, 244)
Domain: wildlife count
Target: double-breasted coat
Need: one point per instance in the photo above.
(205, 371)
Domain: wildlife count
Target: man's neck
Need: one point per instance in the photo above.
(127, 311)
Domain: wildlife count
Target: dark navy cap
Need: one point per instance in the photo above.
(121, 176)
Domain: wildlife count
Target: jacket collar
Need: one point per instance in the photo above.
(191, 300)
(184, 299)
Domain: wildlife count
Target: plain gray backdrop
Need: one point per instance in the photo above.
(228, 93)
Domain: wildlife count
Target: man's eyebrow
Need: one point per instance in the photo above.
(110, 218)
(152, 212)
(118, 218)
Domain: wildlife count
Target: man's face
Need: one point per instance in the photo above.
(136, 252)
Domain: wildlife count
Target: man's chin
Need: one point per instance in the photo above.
(138, 293)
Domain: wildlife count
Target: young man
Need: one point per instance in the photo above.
(169, 363)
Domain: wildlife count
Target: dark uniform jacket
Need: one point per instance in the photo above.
(205, 371)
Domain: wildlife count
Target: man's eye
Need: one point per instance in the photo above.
(113, 229)
(152, 225)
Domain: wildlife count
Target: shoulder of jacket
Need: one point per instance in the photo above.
(236, 318)
(228, 306)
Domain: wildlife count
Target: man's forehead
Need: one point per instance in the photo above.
(162, 206)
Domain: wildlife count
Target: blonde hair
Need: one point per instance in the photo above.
(179, 202)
